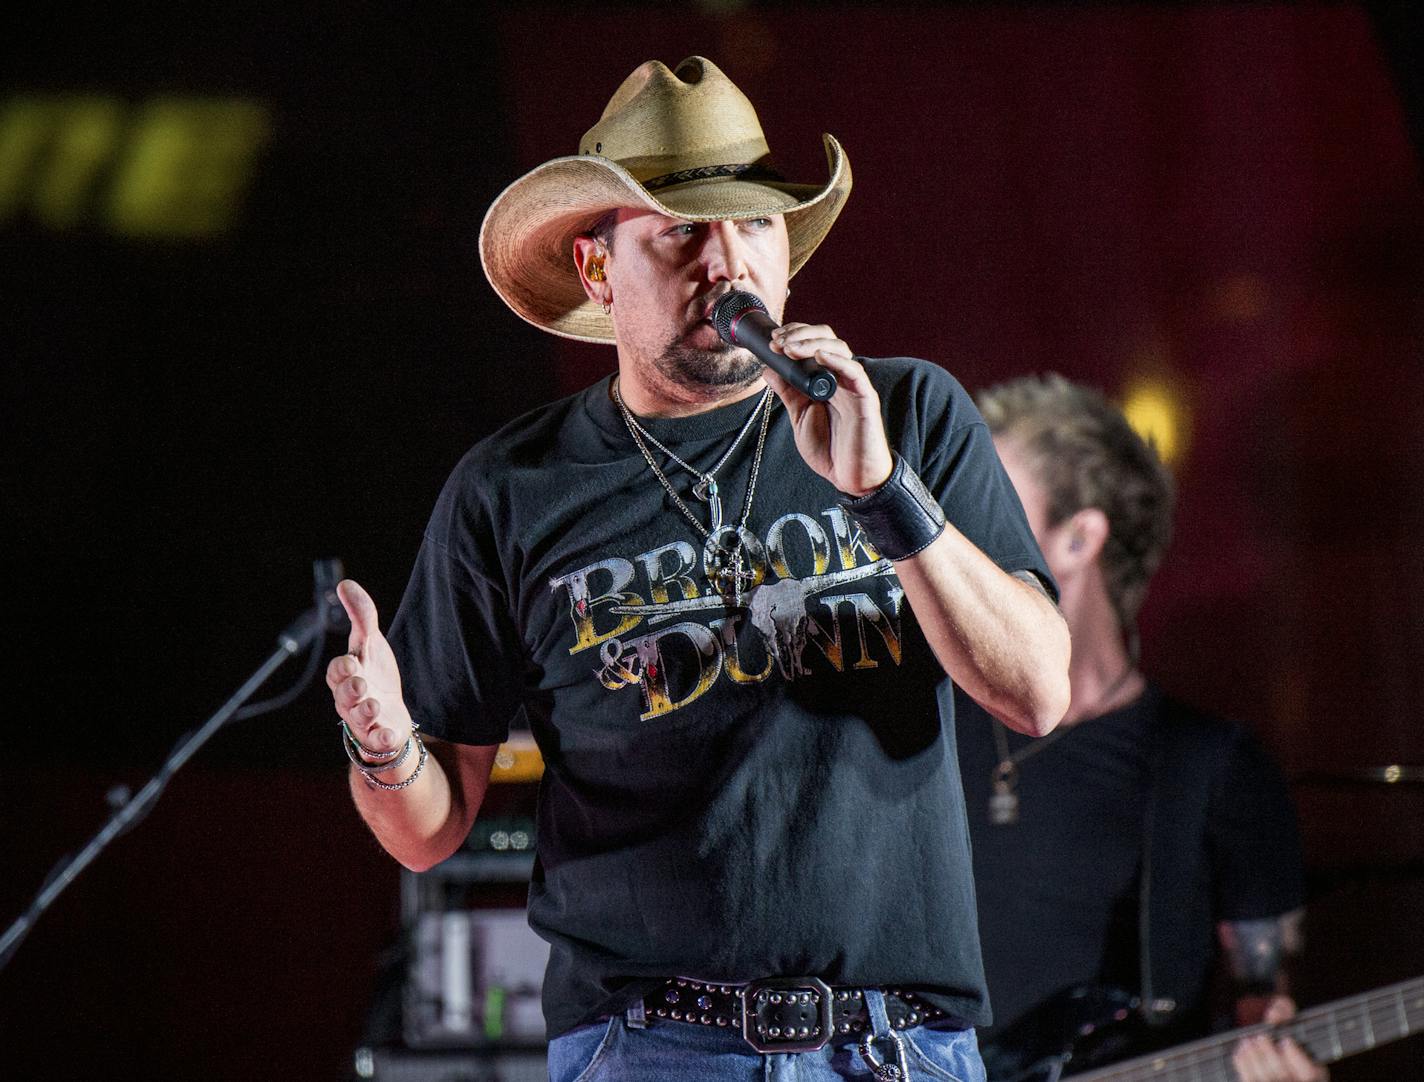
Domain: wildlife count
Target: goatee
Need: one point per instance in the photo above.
(725, 366)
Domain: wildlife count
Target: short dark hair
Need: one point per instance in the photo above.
(602, 228)
(1085, 454)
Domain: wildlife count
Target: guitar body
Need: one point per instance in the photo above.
(1075, 1029)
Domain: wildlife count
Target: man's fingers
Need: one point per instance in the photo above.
(376, 739)
(803, 345)
(795, 330)
(341, 669)
(1247, 1059)
(794, 400)
(349, 692)
(362, 612)
(366, 721)
(851, 375)
(1278, 1009)
(1301, 1067)
(819, 343)
(801, 348)
(1260, 1059)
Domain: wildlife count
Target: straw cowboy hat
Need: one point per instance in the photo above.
(682, 142)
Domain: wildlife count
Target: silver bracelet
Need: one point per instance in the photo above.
(380, 768)
(354, 746)
(419, 766)
(369, 753)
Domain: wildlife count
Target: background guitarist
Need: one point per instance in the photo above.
(1133, 789)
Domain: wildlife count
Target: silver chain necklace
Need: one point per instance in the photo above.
(706, 488)
(725, 558)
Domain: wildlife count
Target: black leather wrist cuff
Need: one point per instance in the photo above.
(901, 516)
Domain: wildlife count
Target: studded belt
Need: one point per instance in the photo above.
(783, 1014)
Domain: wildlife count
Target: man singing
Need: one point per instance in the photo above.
(730, 616)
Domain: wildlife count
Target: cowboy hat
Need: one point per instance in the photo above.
(683, 142)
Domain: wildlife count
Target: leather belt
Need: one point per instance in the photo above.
(783, 1014)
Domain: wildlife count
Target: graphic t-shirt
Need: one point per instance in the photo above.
(731, 791)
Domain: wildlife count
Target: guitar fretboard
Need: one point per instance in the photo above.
(1329, 1032)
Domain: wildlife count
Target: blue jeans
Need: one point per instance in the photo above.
(666, 1051)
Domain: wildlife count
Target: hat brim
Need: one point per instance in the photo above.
(526, 241)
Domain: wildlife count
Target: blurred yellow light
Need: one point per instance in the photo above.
(187, 166)
(52, 149)
(1156, 412)
(171, 167)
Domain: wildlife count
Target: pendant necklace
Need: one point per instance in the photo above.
(1004, 801)
(724, 557)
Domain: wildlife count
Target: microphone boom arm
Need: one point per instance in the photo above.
(308, 630)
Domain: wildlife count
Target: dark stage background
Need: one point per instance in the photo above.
(244, 326)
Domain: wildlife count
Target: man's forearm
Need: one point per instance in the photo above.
(1001, 640)
(425, 822)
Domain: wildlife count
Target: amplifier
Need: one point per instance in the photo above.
(474, 978)
(459, 996)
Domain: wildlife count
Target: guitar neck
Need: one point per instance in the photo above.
(1329, 1032)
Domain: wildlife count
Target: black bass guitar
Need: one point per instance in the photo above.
(1074, 1033)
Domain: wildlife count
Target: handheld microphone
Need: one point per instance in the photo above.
(742, 320)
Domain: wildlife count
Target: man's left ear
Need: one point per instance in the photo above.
(589, 261)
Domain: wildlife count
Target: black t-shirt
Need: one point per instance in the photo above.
(728, 793)
(1058, 890)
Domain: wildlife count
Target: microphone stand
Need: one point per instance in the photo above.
(307, 631)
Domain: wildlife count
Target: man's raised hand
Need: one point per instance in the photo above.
(364, 681)
(842, 439)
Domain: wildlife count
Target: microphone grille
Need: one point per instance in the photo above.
(728, 307)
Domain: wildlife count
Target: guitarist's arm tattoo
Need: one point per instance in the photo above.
(1259, 952)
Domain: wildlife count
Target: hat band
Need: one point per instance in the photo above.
(705, 172)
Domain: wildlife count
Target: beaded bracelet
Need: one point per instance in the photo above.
(375, 783)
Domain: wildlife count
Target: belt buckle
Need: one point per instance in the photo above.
(786, 1014)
